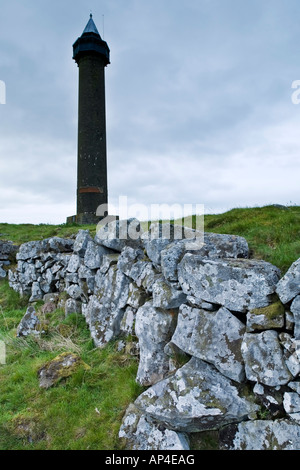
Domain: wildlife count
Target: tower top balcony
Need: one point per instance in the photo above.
(90, 43)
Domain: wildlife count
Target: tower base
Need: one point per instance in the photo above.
(89, 218)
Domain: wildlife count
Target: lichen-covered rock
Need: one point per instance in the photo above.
(291, 402)
(128, 257)
(30, 324)
(291, 353)
(59, 245)
(81, 241)
(238, 284)
(36, 292)
(119, 234)
(266, 318)
(76, 293)
(128, 321)
(94, 255)
(226, 246)
(215, 337)
(166, 296)
(74, 263)
(8, 250)
(105, 309)
(265, 435)
(104, 319)
(107, 262)
(154, 328)
(2, 272)
(31, 250)
(295, 386)
(212, 246)
(264, 361)
(62, 367)
(289, 285)
(295, 309)
(35, 249)
(171, 255)
(139, 432)
(144, 275)
(136, 296)
(159, 236)
(196, 398)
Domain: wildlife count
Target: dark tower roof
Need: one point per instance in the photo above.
(91, 27)
(90, 42)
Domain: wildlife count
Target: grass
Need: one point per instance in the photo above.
(83, 413)
(21, 233)
(86, 410)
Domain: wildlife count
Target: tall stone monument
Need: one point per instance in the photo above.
(91, 54)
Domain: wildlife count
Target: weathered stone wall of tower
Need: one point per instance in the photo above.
(92, 160)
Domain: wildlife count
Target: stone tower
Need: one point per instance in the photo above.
(91, 54)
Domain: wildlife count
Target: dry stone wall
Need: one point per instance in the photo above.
(217, 334)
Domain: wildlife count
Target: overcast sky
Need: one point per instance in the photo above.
(198, 99)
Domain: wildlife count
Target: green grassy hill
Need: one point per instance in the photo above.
(85, 412)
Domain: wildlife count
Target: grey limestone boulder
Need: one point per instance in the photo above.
(7, 250)
(226, 246)
(81, 241)
(291, 353)
(212, 245)
(76, 293)
(266, 318)
(139, 432)
(215, 337)
(291, 403)
(196, 398)
(295, 309)
(289, 285)
(136, 296)
(31, 250)
(94, 255)
(59, 245)
(154, 328)
(120, 233)
(74, 263)
(36, 292)
(265, 435)
(144, 275)
(159, 236)
(30, 323)
(105, 309)
(128, 257)
(171, 256)
(264, 361)
(237, 284)
(127, 326)
(104, 320)
(107, 262)
(166, 296)
(2, 272)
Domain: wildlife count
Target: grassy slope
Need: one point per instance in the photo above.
(85, 412)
